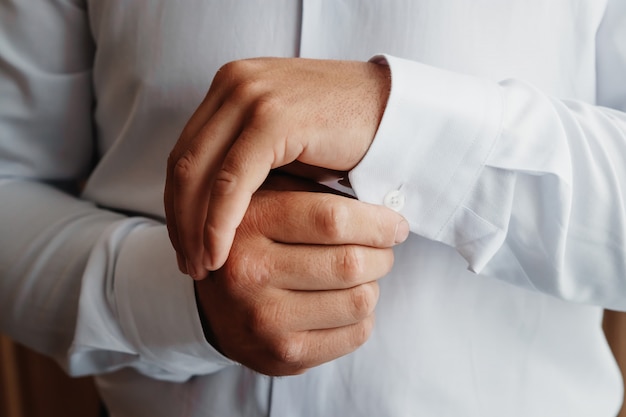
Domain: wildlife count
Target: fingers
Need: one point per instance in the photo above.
(326, 219)
(314, 241)
(281, 308)
(207, 108)
(245, 167)
(315, 310)
(190, 167)
(295, 353)
(189, 179)
(322, 268)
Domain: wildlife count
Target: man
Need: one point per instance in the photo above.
(512, 191)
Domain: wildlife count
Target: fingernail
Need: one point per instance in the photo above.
(402, 231)
(206, 261)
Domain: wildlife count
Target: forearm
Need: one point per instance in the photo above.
(95, 289)
(46, 240)
(517, 181)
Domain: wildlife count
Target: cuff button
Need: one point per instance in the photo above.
(395, 200)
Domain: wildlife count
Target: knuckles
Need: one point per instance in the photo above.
(261, 335)
(244, 82)
(350, 264)
(330, 217)
(265, 108)
(363, 300)
(247, 270)
(184, 168)
(236, 70)
(245, 89)
(225, 183)
(363, 331)
(285, 351)
(288, 351)
(266, 321)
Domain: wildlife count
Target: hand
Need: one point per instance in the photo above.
(261, 114)
(299, 287)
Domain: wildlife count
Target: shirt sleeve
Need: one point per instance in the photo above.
(528, 188)
(94, 289)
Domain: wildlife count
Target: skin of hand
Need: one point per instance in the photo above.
(300, 285)
(261, 114)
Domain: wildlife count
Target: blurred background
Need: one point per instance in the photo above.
(32, 385)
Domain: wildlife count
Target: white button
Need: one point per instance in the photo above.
(394, 200)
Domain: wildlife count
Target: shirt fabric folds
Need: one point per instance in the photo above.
(503, 144)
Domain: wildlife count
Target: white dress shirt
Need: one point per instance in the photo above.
(503, 144)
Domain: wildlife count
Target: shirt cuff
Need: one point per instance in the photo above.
(137, 310)
(435, 135)
(157, 307)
